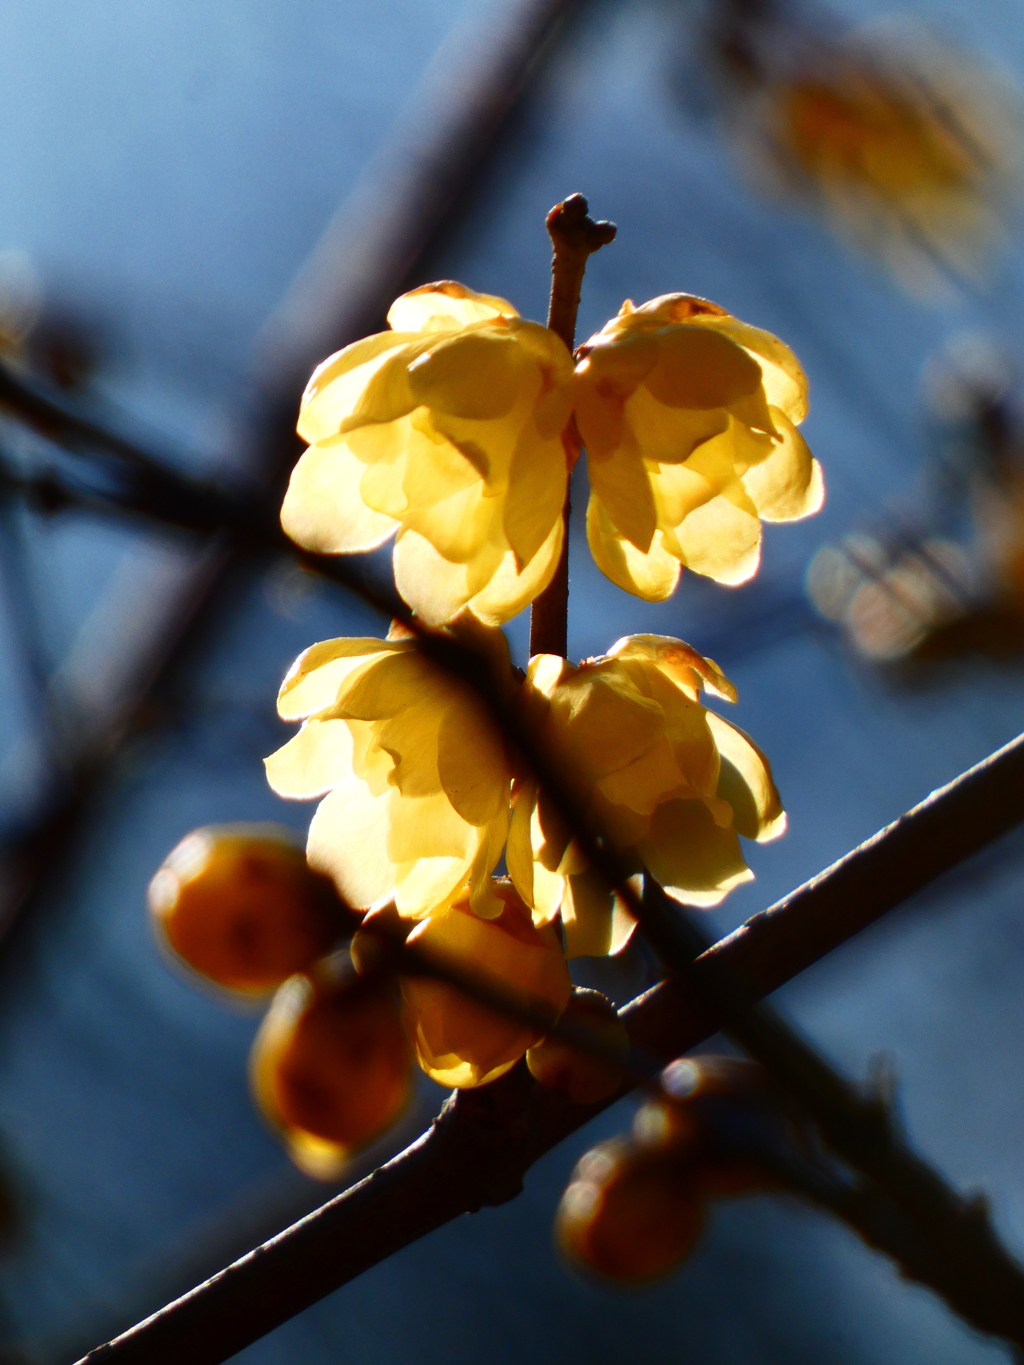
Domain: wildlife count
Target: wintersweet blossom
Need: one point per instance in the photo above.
(689, 419)
(414, 776)
(670, 783)
(909, 147)
(459, 1042)
(447, 430)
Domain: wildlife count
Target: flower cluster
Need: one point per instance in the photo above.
(453, 430)
(420, 792)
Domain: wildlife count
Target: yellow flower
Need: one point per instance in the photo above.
(669, 782)
(416, 776)
(446, 429)
(689, 420)
(459, 1042)
(909, 149)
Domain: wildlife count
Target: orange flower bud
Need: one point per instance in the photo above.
(628, 1215)
(583, 1077)
(331, 1067)
(239, 905)
(458, 1041)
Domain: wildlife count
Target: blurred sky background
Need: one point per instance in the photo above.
(167, 169)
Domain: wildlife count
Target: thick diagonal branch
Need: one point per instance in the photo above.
(478, 1150)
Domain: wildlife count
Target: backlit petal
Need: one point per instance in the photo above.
(323, 509)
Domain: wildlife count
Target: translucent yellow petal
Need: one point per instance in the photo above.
(537, 482)
(642, 784)
(678, 660)
(410, 740)
(652, 576)
(427, 827)
(461, 526)
(404, 678)
(507, 592)
(478, 374)
(679, 490)
(789, 484)
(426, 1001)
(699, 368)
(323, 509)
(594, 921)
(669, 435)
(693, 858)
(784, 381)
(313, 761)
(471, 763)
(746, 783)
(548, 350)
(315, 678)
(387, 394)
(721, 541)
(605, 721)
(443, 306)
(449, 1028)
(601, 420)
(548, 891)
(548, 835)
(622, 484)
(519, 850)
(337, 385)
(348, 841)
(434, 587)
(424, 883)
(482, 898)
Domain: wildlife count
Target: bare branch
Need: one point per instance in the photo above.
(478, 1149)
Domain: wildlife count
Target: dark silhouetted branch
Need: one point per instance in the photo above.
(478, 1149)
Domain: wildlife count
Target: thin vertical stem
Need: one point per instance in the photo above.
(574, 236)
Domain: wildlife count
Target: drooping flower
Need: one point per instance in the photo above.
(414, 775)
(669, 783)
(446, 430)
(458, 1041)
(908, 148)
(689, 419)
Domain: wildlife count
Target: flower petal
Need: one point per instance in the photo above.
(507, 591)
(313, 761)
(594, 920)
(323, 509)
(621, 483)
(444, 306)
(785, 383)
(691, 856)
(537, 482)
(746, 783)
(435, 588)
(788, 485)
(337, 385)
(476, 374)
(698, 368)
(652, 576)
(348, 840)
(722, 541)
(315, 678)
